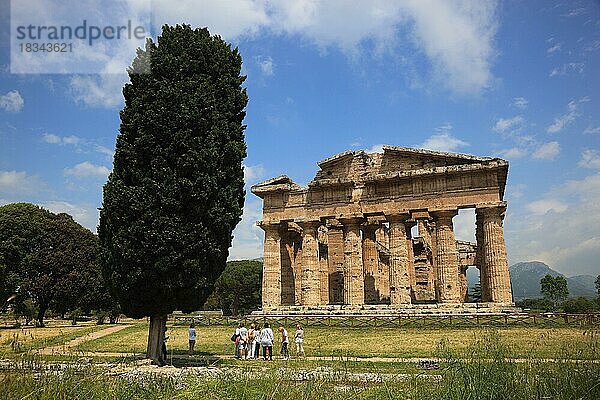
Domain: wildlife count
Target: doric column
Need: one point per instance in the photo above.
(446, 256)
(311, 285)
(370, 263)
(484, 283)
(322, 238)
(495, 259)
(335, 250)
(271, 284)
(354, 290)
(412, 277)
(399, 262)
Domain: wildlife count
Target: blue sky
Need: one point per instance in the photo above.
(514, 79)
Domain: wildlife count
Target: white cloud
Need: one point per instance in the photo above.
(253, 173)
(568, 68)
(247, 237)
(61, 140)
(592, 130)
(19, 183)
(554, 48)
(85, 214)
(562, 229)
(520, 102)
(443, 142)
(513, 153)
(103, 90)
(464, 225)
(562, 121)
(87, 169)
(547, 151)
(12, 101)
(509, 124)
(544, 206)
(266, 65)
(376, 148)
(590, 159)
(457, 38)
(109, 153)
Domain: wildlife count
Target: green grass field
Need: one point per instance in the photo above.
(478, 363)
(366, 342)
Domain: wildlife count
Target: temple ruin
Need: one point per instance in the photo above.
(376, 229)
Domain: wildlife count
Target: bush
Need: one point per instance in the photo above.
(579, 305)
(536, 304)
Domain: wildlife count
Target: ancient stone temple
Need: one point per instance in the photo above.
(377, 229)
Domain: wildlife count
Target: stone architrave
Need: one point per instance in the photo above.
(446, 255)
(311, 284)
(354, 289)
(399, 261)
(495, 259)
(271, 284)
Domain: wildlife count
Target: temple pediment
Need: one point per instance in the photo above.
(395, 161)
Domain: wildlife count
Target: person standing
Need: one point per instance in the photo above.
(256, 342)
(284, 342)
(299, 340)
(243, 341)
(235, 338)
(164, 345)
(191, 339)
(266, 341)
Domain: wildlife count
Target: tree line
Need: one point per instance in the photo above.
(555, 292)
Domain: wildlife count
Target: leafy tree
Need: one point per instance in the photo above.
(48, 255)
(176, 191)
(238, 289)
(554, 289)
(597, 283)
(476, 293)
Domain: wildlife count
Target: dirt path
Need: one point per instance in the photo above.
(69, 346)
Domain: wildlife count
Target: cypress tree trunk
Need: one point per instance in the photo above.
(156, 335)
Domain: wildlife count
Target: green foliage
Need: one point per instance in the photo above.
(536, 304)
(597, 283)
(579, 305)
(554, 289)
(238, 289)
(49, 258)
(176, 191)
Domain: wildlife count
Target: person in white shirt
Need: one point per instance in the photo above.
(299, 339)
(191, 339)
(256, 341)
(284, 342)
(243, 341)
(266, 341)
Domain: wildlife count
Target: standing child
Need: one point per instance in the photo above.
(191, 339)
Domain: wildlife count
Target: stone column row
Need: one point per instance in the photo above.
(446, 258)
(399, 260)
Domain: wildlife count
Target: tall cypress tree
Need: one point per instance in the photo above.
(176, 191)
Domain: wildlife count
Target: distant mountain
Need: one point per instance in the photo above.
(525, 279)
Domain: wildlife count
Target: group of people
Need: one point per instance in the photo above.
(248, 342)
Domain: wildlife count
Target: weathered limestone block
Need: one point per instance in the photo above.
(271, 288)
(311, 284)
(496, 261)
(399, 263)
(446, 255)
(354, 289)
